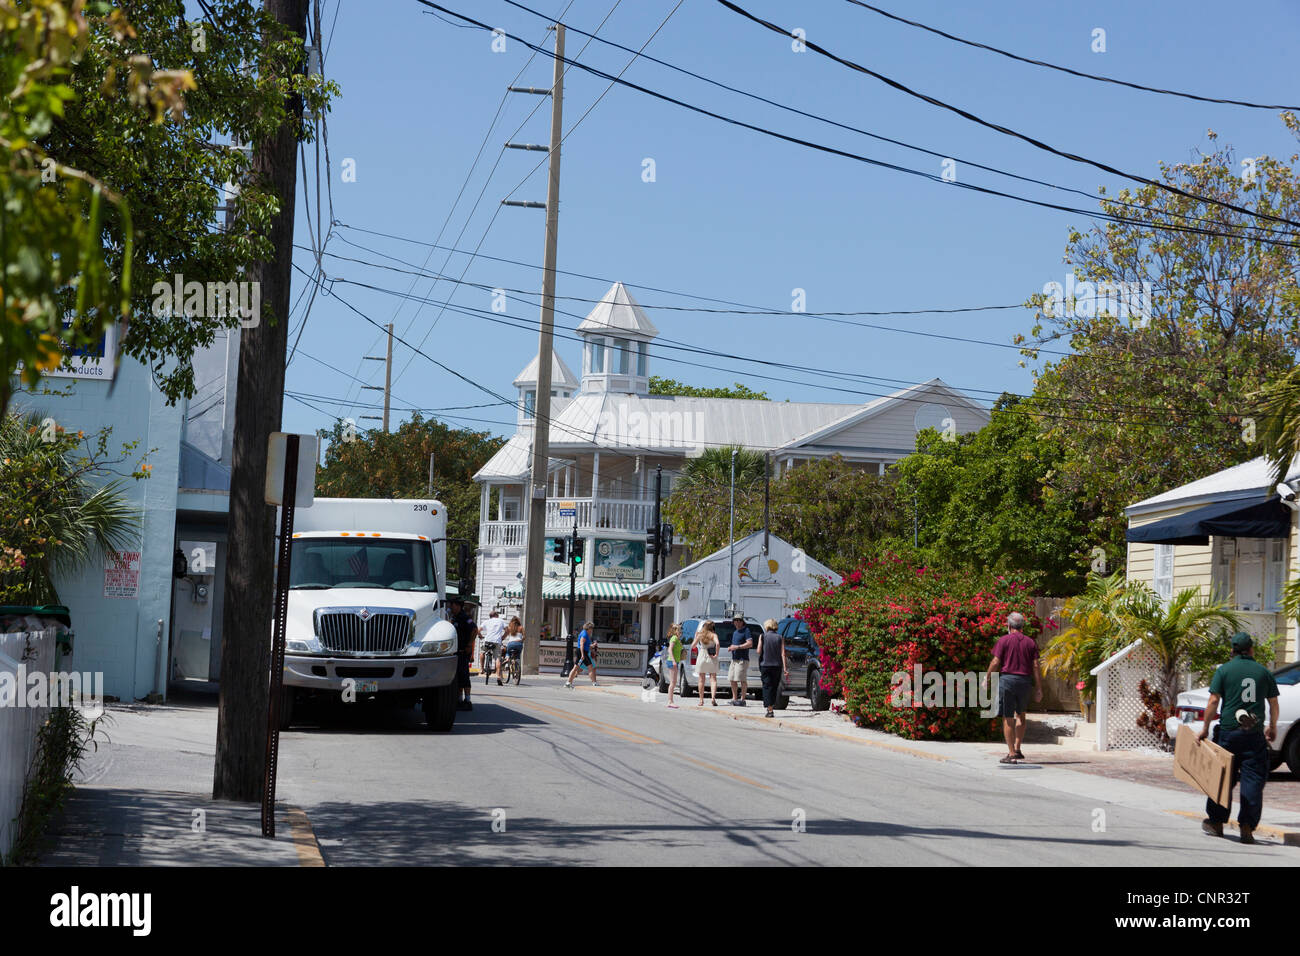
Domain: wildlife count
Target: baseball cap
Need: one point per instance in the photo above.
(1241, 641)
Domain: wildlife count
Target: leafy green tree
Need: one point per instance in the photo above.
(668, 386)
(54, 262)
(396, 465)
(56, 512)
(171, 159)
(1157, 397)
(835, 512)
(993, 499)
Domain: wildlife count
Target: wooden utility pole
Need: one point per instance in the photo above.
(534, 606)
(388, 378)
(250, 566)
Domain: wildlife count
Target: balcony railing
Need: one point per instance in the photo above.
(593, 515)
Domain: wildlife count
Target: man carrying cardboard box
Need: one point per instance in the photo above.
(1242, 684)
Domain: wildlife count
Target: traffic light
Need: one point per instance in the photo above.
(559, 553)
(651, 540)
(576, 547)
(666, 538)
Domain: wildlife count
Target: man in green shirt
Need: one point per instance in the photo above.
(1242, 685)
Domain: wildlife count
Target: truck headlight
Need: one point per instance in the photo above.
(444, 646)
(302, 647)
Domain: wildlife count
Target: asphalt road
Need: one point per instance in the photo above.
(539, 774)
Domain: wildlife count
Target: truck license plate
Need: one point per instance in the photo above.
(367, 687)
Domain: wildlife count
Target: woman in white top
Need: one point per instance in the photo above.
(706, 660)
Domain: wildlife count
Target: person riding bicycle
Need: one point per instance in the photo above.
(492, 632)
(514, 641)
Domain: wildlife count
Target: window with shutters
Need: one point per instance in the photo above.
(1163, 576)
(1275, 574)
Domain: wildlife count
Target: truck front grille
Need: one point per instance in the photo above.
(347, 631)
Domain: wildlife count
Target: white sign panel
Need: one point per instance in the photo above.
(276, 449)
(122, 574)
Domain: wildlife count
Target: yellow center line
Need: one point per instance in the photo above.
(725, 773)
(618, 732)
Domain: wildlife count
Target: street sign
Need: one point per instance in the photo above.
(568, 509)
(276, 454)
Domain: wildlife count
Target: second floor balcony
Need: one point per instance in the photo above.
(614, 515)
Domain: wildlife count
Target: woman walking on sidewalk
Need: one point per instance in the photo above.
(706, 665)
(771, 664)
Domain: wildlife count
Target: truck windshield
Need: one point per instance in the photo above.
(319, 563)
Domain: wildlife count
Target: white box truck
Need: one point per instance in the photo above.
(367, 606)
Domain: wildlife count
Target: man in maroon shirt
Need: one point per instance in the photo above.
(1015, 656)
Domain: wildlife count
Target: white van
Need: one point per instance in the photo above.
(367, 599)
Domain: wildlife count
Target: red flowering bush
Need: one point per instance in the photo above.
(892, 615)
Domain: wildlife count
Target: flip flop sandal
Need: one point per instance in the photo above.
(1008, 759)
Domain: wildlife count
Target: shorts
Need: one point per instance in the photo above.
(515, 648)
(1013, 694)
(738, 672)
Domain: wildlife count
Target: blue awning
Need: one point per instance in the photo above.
(1249, 518)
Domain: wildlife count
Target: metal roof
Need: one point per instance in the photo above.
(618, 313)
(1247, 480)
(561, 374)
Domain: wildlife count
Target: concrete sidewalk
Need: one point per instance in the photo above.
(102, 826)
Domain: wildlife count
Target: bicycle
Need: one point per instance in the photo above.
(489, 661)
(511, 669)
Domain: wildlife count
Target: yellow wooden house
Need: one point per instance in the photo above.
(1232, 535)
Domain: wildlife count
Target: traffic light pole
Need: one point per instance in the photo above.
(652, 639)
(573, 585)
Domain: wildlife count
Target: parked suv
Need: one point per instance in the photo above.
(804, 662)
(689, 683)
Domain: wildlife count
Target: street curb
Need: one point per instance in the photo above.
(303, 838)
(812, 731)
(1288, 837)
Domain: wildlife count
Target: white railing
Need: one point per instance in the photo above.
(34, 652)
(601, 514)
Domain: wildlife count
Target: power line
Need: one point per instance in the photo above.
(1006, 131)
(525, 325)
(882, 164)
(1037, 346)
(1065, 69)
(496, 212)
(863, 132)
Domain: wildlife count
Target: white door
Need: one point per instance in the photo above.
(1250, 574)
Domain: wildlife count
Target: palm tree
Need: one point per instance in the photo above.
(712, 470)
(1172, 630)
(55, 516)
(1277, 425)
(1094, 618)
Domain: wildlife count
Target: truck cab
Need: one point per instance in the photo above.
(367, 607)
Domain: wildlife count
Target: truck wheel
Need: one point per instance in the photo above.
(440, 707)
(782, 702)
(686, 686)
(663, 684)
(820, 699)
(287, 697)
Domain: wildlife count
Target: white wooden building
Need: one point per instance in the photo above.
(608, 435)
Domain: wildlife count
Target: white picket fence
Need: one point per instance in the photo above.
(34, 651)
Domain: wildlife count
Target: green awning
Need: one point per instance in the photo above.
(555, 589)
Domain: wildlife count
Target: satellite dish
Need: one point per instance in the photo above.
(931, 415)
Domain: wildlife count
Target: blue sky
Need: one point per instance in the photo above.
(733, 214)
